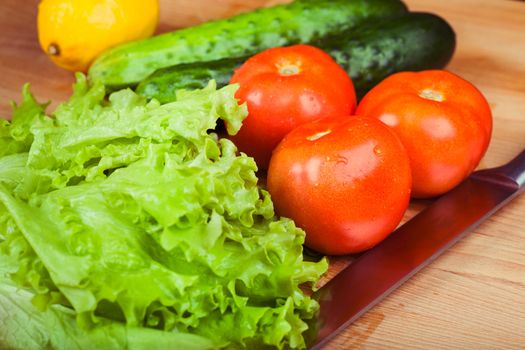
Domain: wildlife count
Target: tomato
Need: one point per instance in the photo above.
(346, 182)
(285, 87)
(444, 122)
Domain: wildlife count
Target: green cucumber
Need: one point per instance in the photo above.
(411, 42)
(247, 33)
(164, 83)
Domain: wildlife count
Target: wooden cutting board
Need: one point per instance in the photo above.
(473, 297)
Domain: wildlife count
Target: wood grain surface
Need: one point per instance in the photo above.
(472, 297)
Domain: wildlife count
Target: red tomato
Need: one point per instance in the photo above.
(444, 122)
(346, 182)
(285, 87)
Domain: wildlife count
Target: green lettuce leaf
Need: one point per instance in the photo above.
(24, 327)
(15, 135)
(125, 219)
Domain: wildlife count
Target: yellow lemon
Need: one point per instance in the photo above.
(74, 32)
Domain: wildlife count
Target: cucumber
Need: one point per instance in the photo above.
(413, 42)
(369, 53)
(247, 33)
(164, 83)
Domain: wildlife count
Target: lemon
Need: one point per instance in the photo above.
(74, 32)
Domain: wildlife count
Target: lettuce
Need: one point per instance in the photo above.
(22, 326)
(130, 224)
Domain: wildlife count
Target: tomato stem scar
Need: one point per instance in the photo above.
(318, 135)
(432, 95)
(289, 69)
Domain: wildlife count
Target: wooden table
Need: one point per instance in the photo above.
(473, 297)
